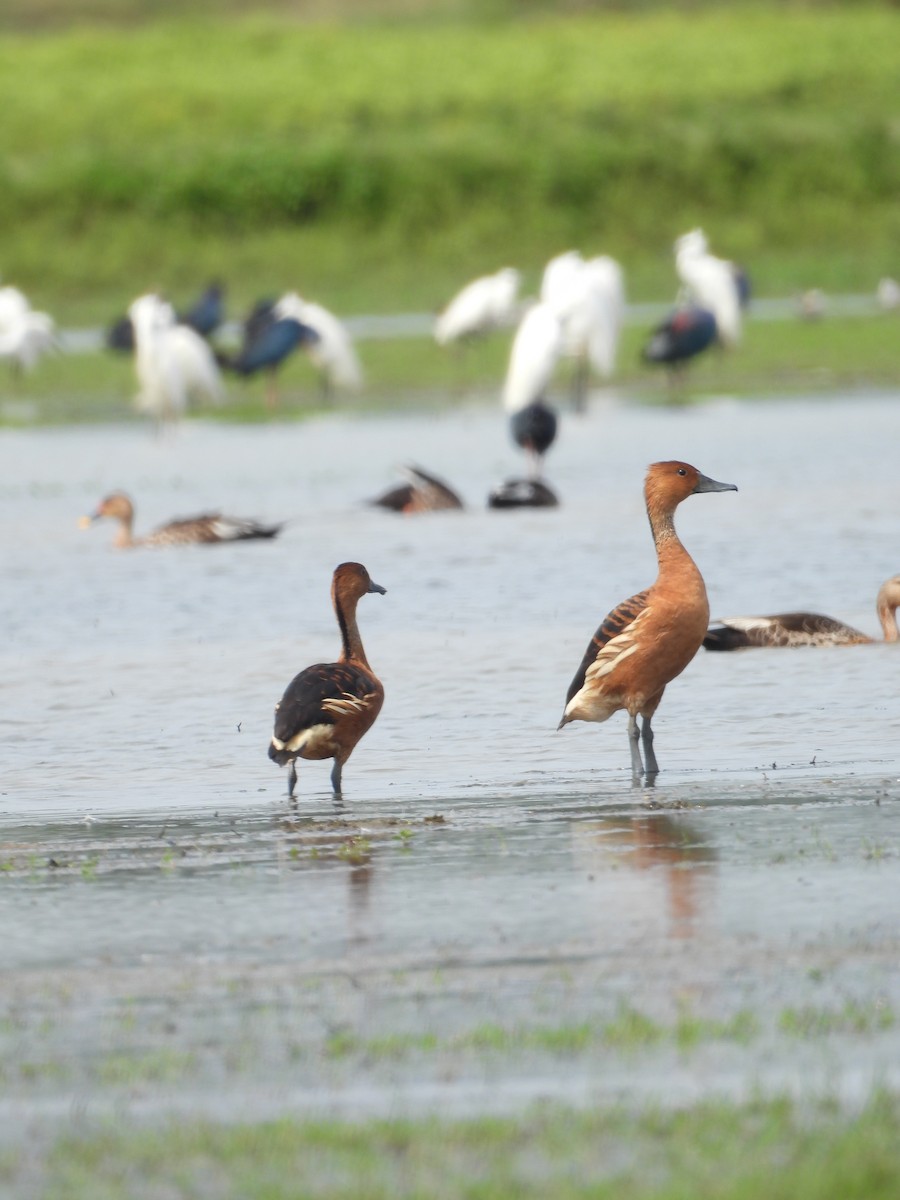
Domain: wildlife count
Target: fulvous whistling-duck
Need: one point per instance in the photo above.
(423, 493)
(328, 707)
(648, 640)
(205, 529)
(804, 628)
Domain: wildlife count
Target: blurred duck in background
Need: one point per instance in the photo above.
(421, 493)
(804, 628)
(204, 530)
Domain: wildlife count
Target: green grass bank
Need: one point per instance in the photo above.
(378, 165)
(708, 1152)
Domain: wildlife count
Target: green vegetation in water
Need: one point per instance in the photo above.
(379, 165)
(629, 1031)
(713, 1151)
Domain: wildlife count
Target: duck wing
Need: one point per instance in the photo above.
(208, 528)
(614, 624)
(321, 695)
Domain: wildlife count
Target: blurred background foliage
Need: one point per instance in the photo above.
(380, 152)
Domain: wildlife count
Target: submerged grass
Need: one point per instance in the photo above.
(717, 1151)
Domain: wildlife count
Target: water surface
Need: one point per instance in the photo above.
(177, 938)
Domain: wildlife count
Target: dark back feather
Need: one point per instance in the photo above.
(301, 704)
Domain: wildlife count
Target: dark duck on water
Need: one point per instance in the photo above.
(328, 707)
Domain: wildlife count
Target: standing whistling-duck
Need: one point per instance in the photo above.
(804, 628)
(328, 707)
(648, 640)
(206, 529)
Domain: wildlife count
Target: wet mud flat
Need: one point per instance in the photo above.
(604, 948)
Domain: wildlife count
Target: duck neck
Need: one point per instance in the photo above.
(351, 642)
(887, 615)
(669, 550)
(125, 536)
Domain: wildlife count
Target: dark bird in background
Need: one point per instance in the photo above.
(743, 285)
(207, 313)
(267, 342)
(534, 354)
(534, 429)
(327, 708)
(683, 335)
(422, 493)
(205, 529)
(205, 316)
(804, 628)
(522, 493)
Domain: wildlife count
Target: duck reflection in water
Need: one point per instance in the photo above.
(310, 845)
(665, 847)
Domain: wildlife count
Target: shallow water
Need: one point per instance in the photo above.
(176, 937)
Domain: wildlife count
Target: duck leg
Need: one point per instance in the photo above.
(634, 735)
(336, 776)
(292, 777)
(647, 743)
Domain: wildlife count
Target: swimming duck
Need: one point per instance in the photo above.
(423, 493)
(649, 639)
(804, 628)
(328, 707)
(204, 529)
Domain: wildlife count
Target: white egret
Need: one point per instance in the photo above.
(333, 351)
(13, 306)
(712, 283)
(173, 362)
(535, 352)
(485, 304)
(888, 294)
(588, 297)
(24, 339)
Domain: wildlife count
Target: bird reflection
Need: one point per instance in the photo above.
(647, 843)
(307, 845)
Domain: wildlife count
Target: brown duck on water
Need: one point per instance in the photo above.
(804, 628)
(205, 529)
(646, 641)
(328, 707)
(423, 493)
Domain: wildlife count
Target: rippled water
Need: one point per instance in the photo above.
(484, 867)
